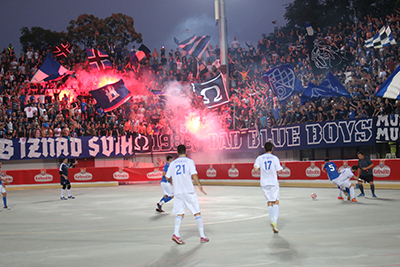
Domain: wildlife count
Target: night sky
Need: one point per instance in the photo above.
(158, 20)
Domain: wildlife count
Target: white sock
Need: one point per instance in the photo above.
(69, 192)
(178, 221)
(340, 193)
(271, 213)
(275, 209)
(62, 192)
(161, 202)
(199, 222)
(352, 193)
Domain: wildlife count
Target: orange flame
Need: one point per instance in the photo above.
(69, 93)
(193, 123)
(107, 79)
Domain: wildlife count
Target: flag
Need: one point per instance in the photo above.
(98, 59)
(391, 87)
(323, 56)
(381, 39)
(50, 70)
(217, 63)
(201, 69)
(194, 45)
(143, 52)
(159, 93)
(330, 87)
(61, 51)
(309, 29)
(214, 91)
(283, 81)
(111, 96)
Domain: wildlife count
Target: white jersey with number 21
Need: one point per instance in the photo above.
(181, 171)
(269, 165)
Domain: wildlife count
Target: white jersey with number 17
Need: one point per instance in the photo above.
(181, 171)
(269, 165)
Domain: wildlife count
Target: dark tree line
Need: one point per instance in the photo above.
(86, 30)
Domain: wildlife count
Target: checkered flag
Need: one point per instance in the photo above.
(382, 39)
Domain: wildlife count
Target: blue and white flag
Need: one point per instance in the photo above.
(283, 81)
(391, 87)
(330, 87)
(111, 96)
(201, 69)
(50, 70)
(324, 57)
(143, 52)
(383, 38)
(194, 45)
(214, 91)
(160, 94)
(309, 29)
(98, 59)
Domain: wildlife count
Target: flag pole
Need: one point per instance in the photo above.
(223, 42)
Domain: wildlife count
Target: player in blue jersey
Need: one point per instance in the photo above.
(64, 181)
(2, 189)
(166, 186)
(333, 174)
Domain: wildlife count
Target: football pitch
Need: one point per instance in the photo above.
(118, 226)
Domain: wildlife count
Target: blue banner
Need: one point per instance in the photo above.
(283, 81)
(111, 96)
(330, 87)
(343, 133)
(51, 148)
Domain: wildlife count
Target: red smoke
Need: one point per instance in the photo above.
(84, 81)
(198, 122)
(188, 119)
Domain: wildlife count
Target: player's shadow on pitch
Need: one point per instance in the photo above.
(280, 247)
(158, 216)
(47, 201)
(358, 203)
(382, 199)
(175, 257)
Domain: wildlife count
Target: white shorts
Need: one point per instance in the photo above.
(183, 201)
(271, 192)
(342, 184)
(2, 189)
(167, 189)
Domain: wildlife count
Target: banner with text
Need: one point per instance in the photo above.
(387, 128)
(356, 132)
(50, 148)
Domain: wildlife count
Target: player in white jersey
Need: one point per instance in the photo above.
(270, 167)
(181, 171)
(3, 189)
(343, 181)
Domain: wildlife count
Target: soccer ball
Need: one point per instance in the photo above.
(313, 196)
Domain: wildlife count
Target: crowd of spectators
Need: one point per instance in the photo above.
(36, 110)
